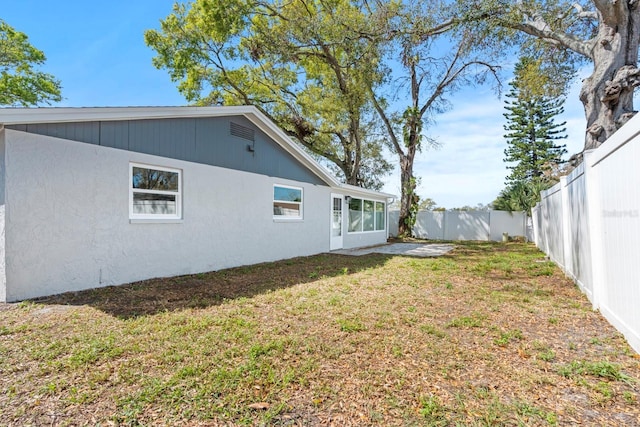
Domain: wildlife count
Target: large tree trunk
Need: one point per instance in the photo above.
(408, 189)
(607, 95)
(408, 199)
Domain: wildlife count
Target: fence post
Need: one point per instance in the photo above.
(567, 252)
(594, 209)
(444, 224)
(534, 224)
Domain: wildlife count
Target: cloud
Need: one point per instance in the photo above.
(468, 168)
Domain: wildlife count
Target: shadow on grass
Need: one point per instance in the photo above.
(203, 290)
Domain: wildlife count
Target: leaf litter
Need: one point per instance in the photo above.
(476, 337)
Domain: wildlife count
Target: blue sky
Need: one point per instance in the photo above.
(97, 50)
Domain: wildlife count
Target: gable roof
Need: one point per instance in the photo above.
(21, 116)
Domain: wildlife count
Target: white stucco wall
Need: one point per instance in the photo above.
(3, 277)
(369, 238)
(67, 219)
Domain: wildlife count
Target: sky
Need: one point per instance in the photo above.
(97, 50)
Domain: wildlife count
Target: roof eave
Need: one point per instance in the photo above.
(15, 116)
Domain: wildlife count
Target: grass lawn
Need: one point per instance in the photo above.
(489, 334)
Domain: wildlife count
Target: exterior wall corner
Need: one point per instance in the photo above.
(3, 275)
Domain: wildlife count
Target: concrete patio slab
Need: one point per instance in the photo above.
(410, 249)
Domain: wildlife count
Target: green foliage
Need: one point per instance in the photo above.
(20, 83)
(505, 27)
(433, 411)
(602, 369)
(413, 206)
(520, 196)
(351, 325)
(547, 355)
(532, 132)
(506, 337)
(302, 64)
(531, 128)
(427, 204)
(435, 62)
(474, 321)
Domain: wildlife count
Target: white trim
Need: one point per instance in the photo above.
(363, 231)
(622, 136)
(336, 242)
(13, 116)
(286, 218)
(136, 217)
(360, 193)
(156, 221)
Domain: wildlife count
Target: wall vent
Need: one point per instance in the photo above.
(242, 132)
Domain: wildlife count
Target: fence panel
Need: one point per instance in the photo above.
(512, 223)
(552, 220)
(465, 225)
(429, 225)
(590, 224)
(393, 222)
(619, 203)
(578, 264)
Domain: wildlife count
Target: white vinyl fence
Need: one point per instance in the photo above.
(466, 225)
(589, 224)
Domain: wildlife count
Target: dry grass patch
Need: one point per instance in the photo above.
(489, 334)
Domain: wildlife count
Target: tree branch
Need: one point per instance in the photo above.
(539, 28)
(386, 121)
(585, 14)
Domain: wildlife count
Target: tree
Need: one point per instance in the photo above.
(303, 64)
(20, 83)
(520, 196)
(566, 34)
(477, 207)
(427, 204)
(427, 78)
(531, 137)
(531, 127)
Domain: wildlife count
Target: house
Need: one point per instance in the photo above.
(93, 197)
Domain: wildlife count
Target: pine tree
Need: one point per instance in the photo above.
(532, 132)
(532, 136)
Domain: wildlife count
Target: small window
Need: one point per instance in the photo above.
(287, 202)
(155, 192)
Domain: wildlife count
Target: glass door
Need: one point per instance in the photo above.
(336, 221)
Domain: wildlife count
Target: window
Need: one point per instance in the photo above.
(366, 215)
(287, 202)
(155, 192)
(380, 216)
(355, 215)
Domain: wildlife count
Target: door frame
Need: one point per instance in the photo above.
(336, 242)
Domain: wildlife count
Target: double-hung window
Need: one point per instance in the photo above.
(287, 202)
(155, 192)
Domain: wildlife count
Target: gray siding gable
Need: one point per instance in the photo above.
(206, 140)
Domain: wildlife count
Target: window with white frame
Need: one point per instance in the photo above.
(381, 216)
(287, 202)
(366, 215)
(155, 192)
